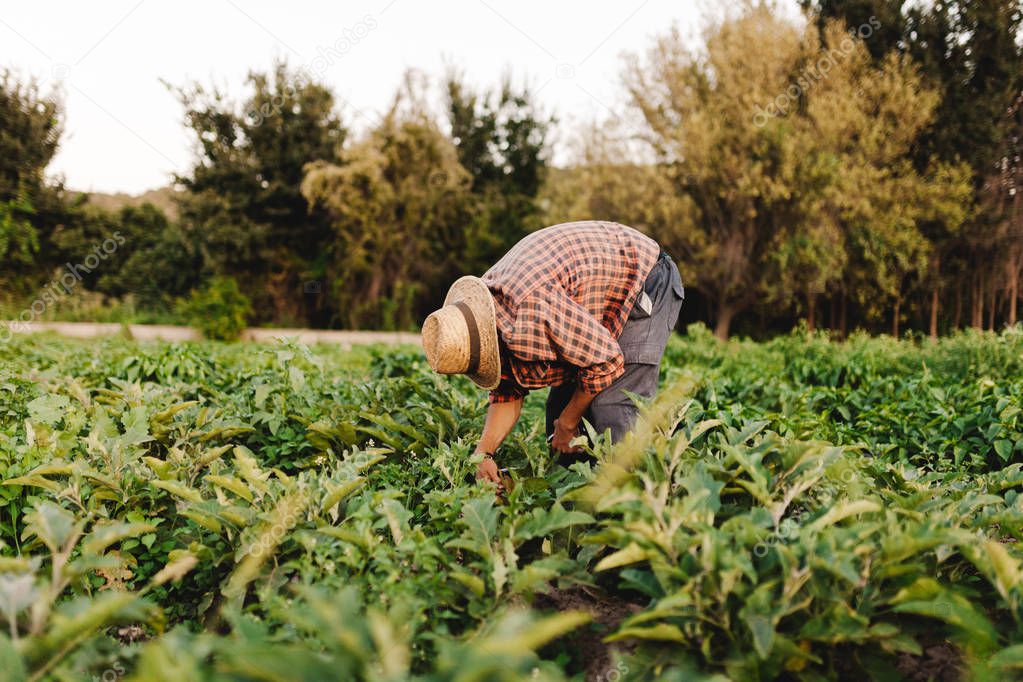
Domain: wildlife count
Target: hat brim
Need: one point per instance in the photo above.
(475, 293)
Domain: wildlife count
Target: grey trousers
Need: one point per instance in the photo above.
(643, 340)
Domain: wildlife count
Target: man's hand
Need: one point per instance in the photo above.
(566, 427)
(563, 435)
(486, 470)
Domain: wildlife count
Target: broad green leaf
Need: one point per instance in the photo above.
(245, 463)
(102, 536)
(631, 554)
(11, 663)
(161, 468)
(926, 597)
(178, 490)
(287, 512)
(84, 616)
(1005, 567)
(536, 634)
(542, 522)
(473, 582)
(1004, 448)
(340, 492)
(479, 516)
(1009, 658)
(49, 409)
(17, 592)
(762, 629)
(235, 485)
(840, 623)
(51, 524)
(35, 481)
(844, 510)
(664, 632)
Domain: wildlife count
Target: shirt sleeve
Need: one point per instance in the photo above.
(507, 391)
(579, 339)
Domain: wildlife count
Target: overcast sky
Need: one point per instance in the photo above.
(124, 128)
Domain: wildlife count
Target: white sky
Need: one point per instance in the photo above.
(124, 130)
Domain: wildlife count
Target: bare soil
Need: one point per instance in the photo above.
(941, 662)
(586, 645)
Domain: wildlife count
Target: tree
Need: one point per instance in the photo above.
(698, 112)
(605, 181)
(794, 166)
(1002, 198)
(30, 129)
(970, 53)
(243, 201)
(502, 141)
(156, 263)
(400, 208)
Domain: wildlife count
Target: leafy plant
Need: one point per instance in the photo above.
(219, 309)
(799, 509)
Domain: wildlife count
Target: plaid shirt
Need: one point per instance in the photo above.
(563, 295)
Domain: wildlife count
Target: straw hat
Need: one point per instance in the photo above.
(461, 337)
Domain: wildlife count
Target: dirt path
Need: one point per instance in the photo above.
(162, 332)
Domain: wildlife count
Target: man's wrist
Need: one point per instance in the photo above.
(569, 422)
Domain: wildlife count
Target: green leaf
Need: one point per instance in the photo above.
(231, 483)
(178, 490)
(35, 481)
(631, 554)
(245, 463)
(542, 522)
(86, 615)
(136, 426)
(664, 632)
(844, 510)
(17, 592)
(840, 623)
(535, 635)
(340, 492)
(51, 524)
(1008, 658)
(1004, 448)
(479, 516)
(762, 629)
(102, 536)
(926, 597)
(49, 409)
(473, 582)
(11, 663)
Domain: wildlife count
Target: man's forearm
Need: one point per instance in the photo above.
(501, 418)
(573, 413)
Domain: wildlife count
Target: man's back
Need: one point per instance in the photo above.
(599, 265)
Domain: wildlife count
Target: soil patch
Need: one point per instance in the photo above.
(586, 645)
(939, 662)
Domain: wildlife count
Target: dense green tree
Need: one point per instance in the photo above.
(30, 206)
(603, 183)
(970, 53)
(793, 168)
(887, 21)
(400, 206)
(502, 141)
(243, 202)
(133, 253)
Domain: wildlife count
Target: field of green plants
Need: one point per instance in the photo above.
(798, 509)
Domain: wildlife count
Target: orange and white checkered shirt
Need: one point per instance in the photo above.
(563, 295)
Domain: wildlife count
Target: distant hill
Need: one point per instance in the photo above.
(162, 198)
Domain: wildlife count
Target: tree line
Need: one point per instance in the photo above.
(859, 169)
